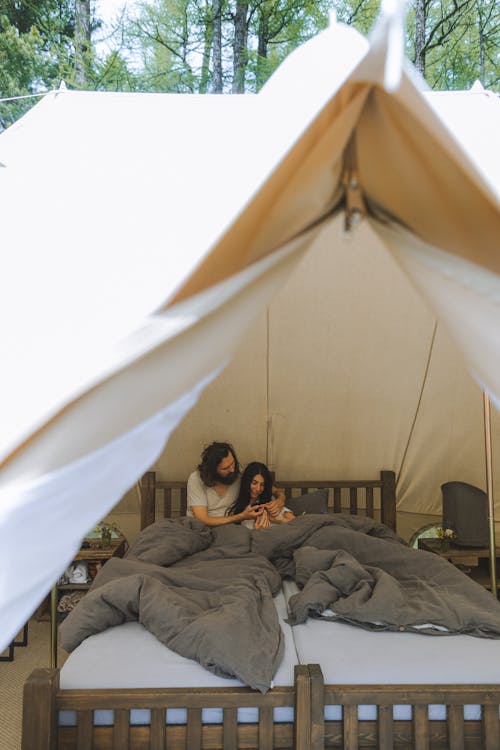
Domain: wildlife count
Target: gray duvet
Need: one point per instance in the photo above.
(208, 593)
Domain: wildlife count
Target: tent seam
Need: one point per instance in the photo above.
(419, 403)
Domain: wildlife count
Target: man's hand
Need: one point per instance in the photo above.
(276, 504)
(251, 512)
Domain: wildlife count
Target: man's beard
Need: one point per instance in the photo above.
(228, 479)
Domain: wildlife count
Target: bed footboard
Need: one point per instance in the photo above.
(385, 732)
(43, 700)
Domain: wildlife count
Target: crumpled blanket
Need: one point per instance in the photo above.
(207, 593)
(366, 581)
(213, 603)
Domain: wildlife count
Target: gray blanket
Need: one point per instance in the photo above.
(207, 593)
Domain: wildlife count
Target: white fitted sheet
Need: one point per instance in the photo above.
(346, 654)
(352, 655)
(129, 656)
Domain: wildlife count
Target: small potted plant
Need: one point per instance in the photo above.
(105, 530)
(446, 536)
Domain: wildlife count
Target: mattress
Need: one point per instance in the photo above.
(347, 654)
(117, 657)
(351, 655)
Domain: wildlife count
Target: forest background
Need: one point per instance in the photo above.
(219, 46)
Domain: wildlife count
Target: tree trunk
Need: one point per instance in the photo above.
(240, 46)
(208, 37)
(481, 47)
(262, 43)
(420, 17)
(82, 41)
(217, 47)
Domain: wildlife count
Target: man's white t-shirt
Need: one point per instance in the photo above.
(199, 494)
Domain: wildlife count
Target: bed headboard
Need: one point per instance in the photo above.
(375, 498)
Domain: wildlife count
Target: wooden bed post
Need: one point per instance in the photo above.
(148, 498)
(302, 710)
(317, 707)
(39, 710)
(388, 493)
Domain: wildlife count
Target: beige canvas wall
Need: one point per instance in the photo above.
(347, 373)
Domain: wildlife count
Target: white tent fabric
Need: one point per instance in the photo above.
(171, 234)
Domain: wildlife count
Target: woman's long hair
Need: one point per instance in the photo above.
(243, 498)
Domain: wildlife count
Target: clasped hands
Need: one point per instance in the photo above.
(262, 514)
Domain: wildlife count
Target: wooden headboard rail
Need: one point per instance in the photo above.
(175, 496)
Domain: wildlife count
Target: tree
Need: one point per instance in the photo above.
(82, 41)
(455, 42)
(216, 46)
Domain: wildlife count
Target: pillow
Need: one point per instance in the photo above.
(311, 502)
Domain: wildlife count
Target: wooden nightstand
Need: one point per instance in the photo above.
(473, 561)
(93, 555)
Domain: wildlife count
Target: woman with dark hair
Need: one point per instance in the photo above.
(256, 489)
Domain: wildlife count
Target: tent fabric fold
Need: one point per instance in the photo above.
(146, 255)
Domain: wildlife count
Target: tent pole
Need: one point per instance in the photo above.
(489, 487)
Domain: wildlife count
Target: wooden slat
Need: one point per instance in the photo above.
(157, 741)
(148, 498)
(230, 729)
(403, 736)
(388, 499)
(176, 737)
(167, 502)
(302, 708)
(491, 734)
(84, 721)
(121, 730)
(448, 694)
(266, 729)
(369, 502)
(39, 710)
(193, 739)
(183, 501)
(350, 727)
(137, 698)
(353, 501)
(317, 693)
(385, 727)
(421, 727)
(337, 501)
(455, 721)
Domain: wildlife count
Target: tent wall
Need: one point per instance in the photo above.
(346, 373)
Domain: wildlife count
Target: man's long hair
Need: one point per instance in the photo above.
(210, 459)
(243, 498)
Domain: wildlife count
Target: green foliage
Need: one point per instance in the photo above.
(361, 14)
(172, 45)
(462, 43)
(19, 64)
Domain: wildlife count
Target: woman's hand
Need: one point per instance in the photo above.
(251, 513)
(263, 521)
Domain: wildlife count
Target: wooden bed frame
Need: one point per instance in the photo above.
(376, 498)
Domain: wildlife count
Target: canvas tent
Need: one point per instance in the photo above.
(144, 234)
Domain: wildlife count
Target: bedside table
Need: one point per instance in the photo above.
(93, 555)
(474, 559)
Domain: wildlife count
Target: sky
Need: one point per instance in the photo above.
(107, 11)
